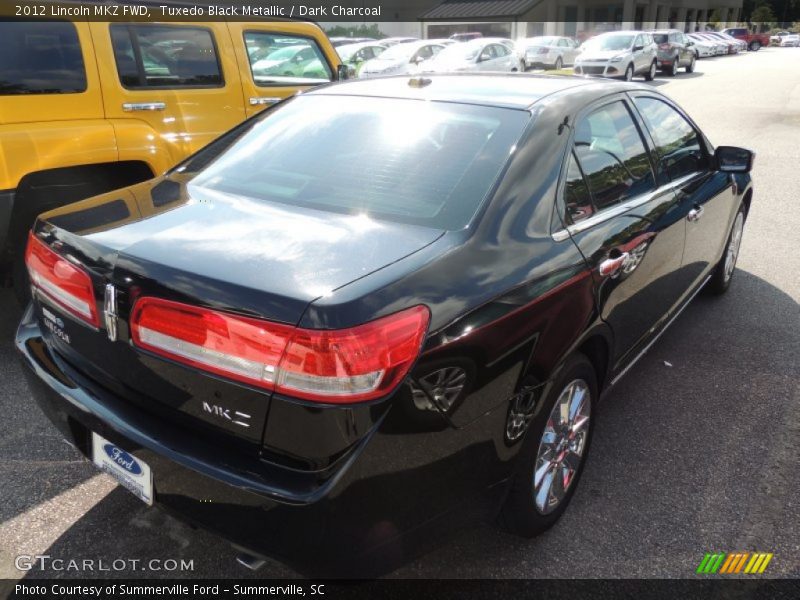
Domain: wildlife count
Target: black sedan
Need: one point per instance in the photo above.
(379, 308)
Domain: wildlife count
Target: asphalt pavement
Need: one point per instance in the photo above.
(696, 450)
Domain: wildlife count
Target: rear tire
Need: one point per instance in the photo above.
(755, 46)
(673, 68)
(534, 504)
(723, 273)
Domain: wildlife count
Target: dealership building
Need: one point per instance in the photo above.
(526, 18)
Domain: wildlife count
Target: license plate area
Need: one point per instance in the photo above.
(131, 472)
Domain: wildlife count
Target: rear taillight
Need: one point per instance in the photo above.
(335, 366)
(61, 282)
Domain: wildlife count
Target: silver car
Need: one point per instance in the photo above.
(548, 52)
(482, 54)
(401, 59)
(618, 54)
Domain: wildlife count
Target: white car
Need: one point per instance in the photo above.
(401, 59)
(481, 54)
(792, 39)
(703, 47)
(720, 47)
(548, 52)
(618, 54)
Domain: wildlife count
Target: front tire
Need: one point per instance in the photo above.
(559, 64)
(723, 273)
(651, 73)
(691, 65)
(554, 452)
(629, 73)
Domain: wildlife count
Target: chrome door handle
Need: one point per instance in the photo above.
(611, 266)
(695, 214)
(261, 100)
(145, 106)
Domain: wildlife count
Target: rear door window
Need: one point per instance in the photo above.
(40, 57)
(577, 198)
(612, 155)
(278, 59)
(162, 56)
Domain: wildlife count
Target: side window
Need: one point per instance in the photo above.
(577, 199)
(165, 56)
(283, 59)
(487, 53)
(501, 50)
(562, 43)
(40, 57)
(677, 143)
(639, 41)
(612, 156)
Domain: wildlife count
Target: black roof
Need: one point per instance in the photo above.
(516, 91)
(478, 9)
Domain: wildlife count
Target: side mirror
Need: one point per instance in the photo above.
(731, 159)
(637, 48)
(689, 43)
(343, 72)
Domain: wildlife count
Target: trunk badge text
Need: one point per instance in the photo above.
(110, 311)
(234, 416)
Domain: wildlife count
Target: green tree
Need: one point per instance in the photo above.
(362, 30)
(763, 16)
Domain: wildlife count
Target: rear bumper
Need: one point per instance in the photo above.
(267, 509)
(403, 487)
(6, 208)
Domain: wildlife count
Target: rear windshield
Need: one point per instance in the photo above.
(426, 163)
(660, 38)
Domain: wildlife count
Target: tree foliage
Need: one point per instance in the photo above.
(362, 30)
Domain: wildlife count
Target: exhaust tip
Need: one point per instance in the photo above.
(253, 563)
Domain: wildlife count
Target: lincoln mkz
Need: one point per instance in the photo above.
(380, 308)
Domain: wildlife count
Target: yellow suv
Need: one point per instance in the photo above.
(86, 108)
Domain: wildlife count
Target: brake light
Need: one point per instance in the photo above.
(334, 366)
(61, 282)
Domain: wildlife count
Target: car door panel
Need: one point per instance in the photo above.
(634, 245)
(706, 198)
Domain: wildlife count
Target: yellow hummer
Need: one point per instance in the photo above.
(89, 107)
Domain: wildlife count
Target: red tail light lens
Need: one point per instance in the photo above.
(335, 366)
(360, 363)
(61, 282)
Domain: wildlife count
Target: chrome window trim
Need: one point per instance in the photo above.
(619, 209)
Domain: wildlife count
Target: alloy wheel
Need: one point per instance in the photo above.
(629, 73)
(732, 253)
(444, 385)
(652, 71)
(562, 446)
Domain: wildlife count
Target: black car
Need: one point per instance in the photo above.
(379, 308)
